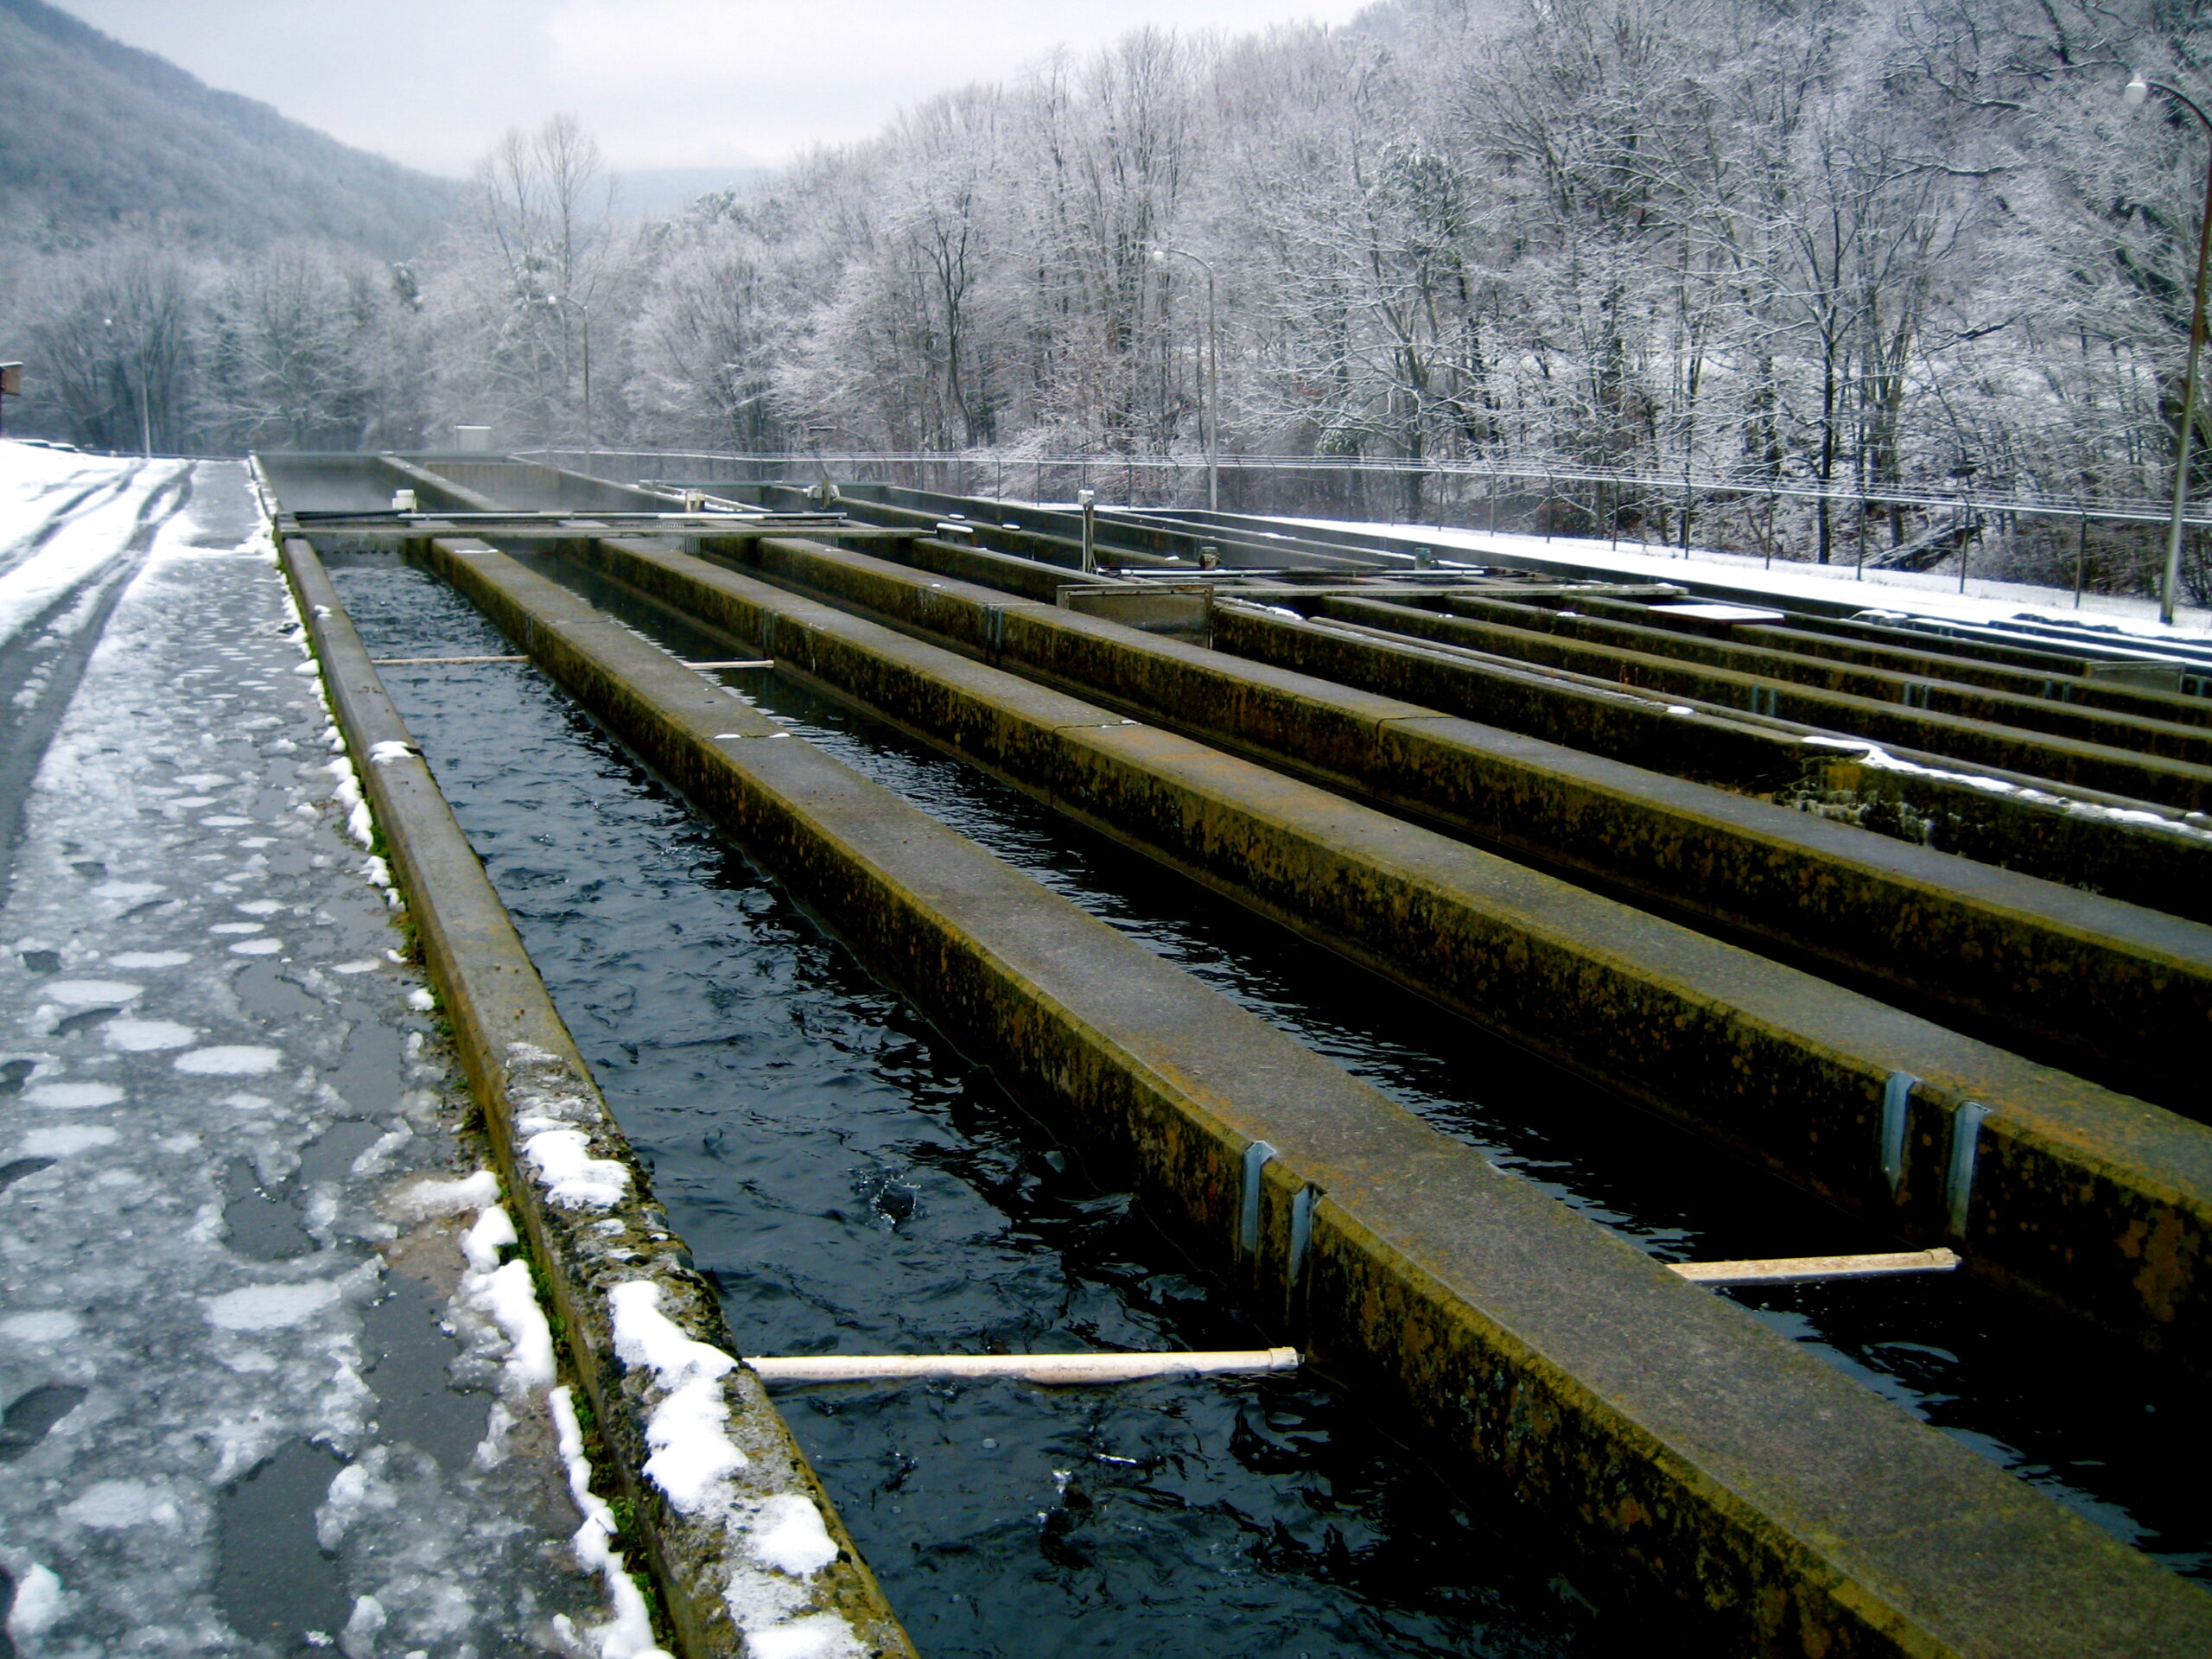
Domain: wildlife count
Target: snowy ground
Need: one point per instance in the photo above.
(1925, 594)
(268, 1387)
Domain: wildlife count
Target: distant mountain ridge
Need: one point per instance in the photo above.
(96, 137)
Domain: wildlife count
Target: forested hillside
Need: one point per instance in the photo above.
(96, 137)
(1858, 245)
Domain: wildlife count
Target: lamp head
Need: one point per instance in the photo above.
(2136, 90)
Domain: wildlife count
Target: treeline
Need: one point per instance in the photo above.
(1895, 242)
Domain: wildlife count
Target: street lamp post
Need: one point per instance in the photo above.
(2137, 92)
(1160, 257)
(563, 300)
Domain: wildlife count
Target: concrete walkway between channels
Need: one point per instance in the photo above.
(272, 1377)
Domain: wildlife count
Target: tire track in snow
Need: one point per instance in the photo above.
(80, 505)
(42, 663)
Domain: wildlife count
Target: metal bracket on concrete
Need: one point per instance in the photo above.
(1897, 1098)
(1256, 1158)
(1965, 1139)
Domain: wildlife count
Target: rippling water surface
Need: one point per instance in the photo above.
(857, 1185)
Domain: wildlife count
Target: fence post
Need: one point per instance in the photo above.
(2080, 558)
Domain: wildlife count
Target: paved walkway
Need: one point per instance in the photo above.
(257, 1398)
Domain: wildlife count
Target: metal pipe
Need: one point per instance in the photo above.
(1030, 1368)
(1803, 1269)
(1213, 375)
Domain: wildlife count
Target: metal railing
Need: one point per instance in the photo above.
(2099, 543)
(978, 466)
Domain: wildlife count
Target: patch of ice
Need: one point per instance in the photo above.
(359, 823)
(206, 779)
(261, 906)
(127, 890)
(508, 1295)
(1877, 758)
(64, 1140)
(257, 948)
(788, 1534)
(421, 1200)
(493, 1233)
(42, 1325)
(691, 1450)
(629, 1635)
(234, 1060)
(271, 1307)
(73, 1097)
(114, 1505)
(388, 751)
(421, 1000)
(310, 667)
(144, 959)
(38, 1603)
(90, 993)
(354, 967)
(238, 927)
(819, 1636)
(246, 1103)
(225, 821)
(572, 1178)
(357, 1640)
(146, 1036)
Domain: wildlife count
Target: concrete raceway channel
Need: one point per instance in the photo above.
(1693, 1463)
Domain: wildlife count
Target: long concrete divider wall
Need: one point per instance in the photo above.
(2084, 838)
(1694, 1460)
(2074, 708)
(1931, 661)
(2116, 993)
(2107, 844)
(643, 1332)
(1801, 1075)
(2161, 760)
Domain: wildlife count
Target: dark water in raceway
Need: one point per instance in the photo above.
(857, 1185)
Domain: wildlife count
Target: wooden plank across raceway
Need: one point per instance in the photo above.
(1697, 1463)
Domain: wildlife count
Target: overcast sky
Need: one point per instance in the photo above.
(661, 83)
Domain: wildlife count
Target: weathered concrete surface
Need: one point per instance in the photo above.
(2097, 842)
(2116, 993)
(1783, 1067)
(2169, 726)
(1701, 1465)
(2162, 762)
(1933, 661)
(718, 1595)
